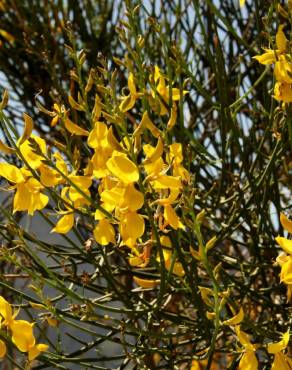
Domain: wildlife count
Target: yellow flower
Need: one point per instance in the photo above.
(283, 70)
(285, 244)
(270, 56)
(123, 168)
(28, 196)
(163, 92)
(83, 183)
(6, 312)
(283, 92)
(146, 123)
(171, 218)
(129, 101)
(286, 223)
(241, 2)
(283, 67)
(34, 160)
(99, 140)
(104, 233)
(248, 360)
(131, 228)
(74, 129)
(281, 361)
(286, 271)
(146, 283)
(236, 319)
(285, 261)
(2, 349)
(281, 345)
(23, 338)
(175, 160)
(177, 268)
(64, 225)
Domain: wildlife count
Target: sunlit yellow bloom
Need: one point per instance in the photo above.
(236, 319)
(104, 233)
(171, 218)
(146, 123)
(28, 196)
(285, 244)
(167, 182)
(177, 268)
(129, 101)
(248, 360)
(281, 361)
(58, 112)
(286, 223)
(33, 159)
(64, 225)
(23, 338)
(123, 168)
(99, 160)
(163, 92)
(283, 92)
(283, 67)
(98, 135)
(283, 70)
(146, 283)
(286, 271)
(270, 56)
(83, 183)
(99, 140)
(11, 173)
(173, 117)
(3, 349)
(175, 160)
(281, 40)
(7, 315)
(74, 129)
(131, 228)
(156, 153)
(50, 177)
(281, 345)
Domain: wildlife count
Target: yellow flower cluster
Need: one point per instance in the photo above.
(248, 358)
(285, 260)
(21, 332)
(281, 58)
(121, 171)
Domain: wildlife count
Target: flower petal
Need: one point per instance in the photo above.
(286, 223)
(285, 244)
(124, 169)
(11, 173)
(64, 225)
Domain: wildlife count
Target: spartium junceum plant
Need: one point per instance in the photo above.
(165, 253)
